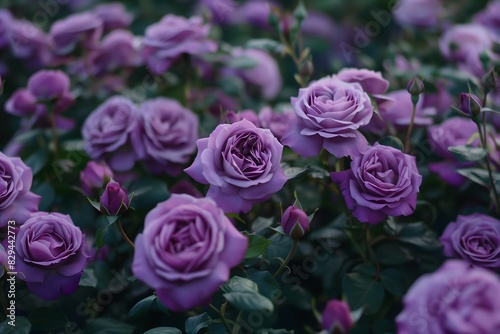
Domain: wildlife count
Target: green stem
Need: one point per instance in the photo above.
(222, 318)
(55, 138)
(288, 258)
(237, 323)
(488, 166)
(124, 235)
(410, 127)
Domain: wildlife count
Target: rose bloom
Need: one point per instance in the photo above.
(489, 17)
(107, 131)
(16, 201)
(381, 182)
(372, 82)
(94, 177)
(474, 238)
(51, 253)
(186, 251)
(5, 20)
(113, 15)
(241, 163)
(165, 136)
(452, 132)
(456, 298)
(29, 43)
(278, 121)
(419, 13)
(81, 29)
(172, 37)
(329, 114)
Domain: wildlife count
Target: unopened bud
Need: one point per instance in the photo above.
(470, 105)
(415, 86)
(306, 68)
(489, 81)
(294, 222)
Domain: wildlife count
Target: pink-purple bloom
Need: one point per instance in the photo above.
(165, 136)
(382, 182)
(172, 37)
(337, 316)
(457, 298)
(17, 202)
(51, 253)
(474, 238)
(94, 177)
(186, 251)
(330, 113)
(107, 133)
(241, 163)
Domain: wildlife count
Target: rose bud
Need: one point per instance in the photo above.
(337, 315)
(470, 105)
(489, 81)
(114, 200)
(294, 222)
(415, 86)
(94, 176)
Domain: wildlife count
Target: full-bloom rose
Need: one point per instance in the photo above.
(166, 135)
(51, 253)
(474, 238)
(107, 132)
(81, 29)
(454, 299)
(371, 81)
(173, 36)
(241, 163)
(16, 201)
(382, 182)
(186, 251)
(452, 132)
(277, 121)
(28, 42)
(330, 112)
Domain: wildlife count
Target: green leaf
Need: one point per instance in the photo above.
(420, 235)
(161, 306)
(393, 281)
(21, 326)
(318, 172)
(490, 110)
(244, 294)
(111, 219)
(465, 153)
(268, 286)
(164, 330)
(244, 63)
(47, 194)
(298, 297)
(108, 326)
(95, 204)
(37, 160)
(99, 236)
(278, 230)
(480, 176)
(362, 290)
(256, 245)
(392, 141)
(393, 254)
(47, 319)
(265, 44)
(294, 172)
(195, 324)
(88, 278)
(142, 307)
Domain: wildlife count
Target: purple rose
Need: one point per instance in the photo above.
(398, 113)
(165, 136)
(16, 201)
(221, 10)
(454, 131)
(278, 121)
(419, 13)
(173, 36)
(21, 103)
(294, 222)
(5, 21)
(381, 182)
(489, 17)
(337, 314)
(241, 163)
(107, 133)
(114, 200)
(475, 239)
(49, 85)
(51, 255)
(454, 299)
(252, 12)
(330, 112)
(81, 29)
(185, 187)
(371, 81)
(94, 177)
(265, 76)
(113, 15)
(186, 251)
(116, 51)
(463, 43)
(249, 115)
(28, 42)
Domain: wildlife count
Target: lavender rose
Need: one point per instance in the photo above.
(16, 201)
(382, 182)
(371, 81)
(186, 251)
(113, 15)
(489, 17)
(454, 299)
(107, 131)
(474, 238)
(51, 255)
(81, 29)
(114, 200)
(330, 112)
(5, 20)
(28, 42)
(278, 121)
(241, 163)
(94, 177)
(295, 222)
(173, 36)
(166, 135)
(419, 13)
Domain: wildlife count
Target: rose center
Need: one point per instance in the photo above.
(481, 244)
(46, 247)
